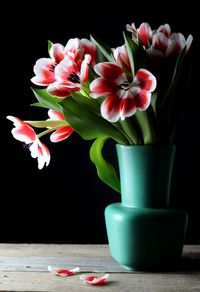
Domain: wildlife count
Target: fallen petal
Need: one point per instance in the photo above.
(63, 272)
(94, 280)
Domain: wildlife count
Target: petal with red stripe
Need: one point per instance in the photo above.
(44, 71)
(94, 280)
(55, 115)
(110, 109)
(145, 80)
(22, 131)
(145, 33)
(57, 52)
(127, 107)
(102, 86)
(61, 134)
(62, 271)
(109, 70)
(142, 98)
(41, 152)
(84, 72)
(58, 89)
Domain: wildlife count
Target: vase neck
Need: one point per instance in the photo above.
(145, 175)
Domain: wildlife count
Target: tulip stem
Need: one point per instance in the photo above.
(130, 131)
(48, 131)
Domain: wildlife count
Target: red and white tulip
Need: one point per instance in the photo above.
(160, 43)
(122, 59)
(45, 67)
(69, 77)
(25, 133)
(76, 49)
(123, 97)
(61, 133)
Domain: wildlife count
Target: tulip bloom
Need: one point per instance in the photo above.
(67, 68)
(160, 43)
(61, 133)
(122, 59)
(25, 133)
(69, 77)
(122, 97)
(45, 67)
(76, 50)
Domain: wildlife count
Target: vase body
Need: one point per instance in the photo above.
(143, 232)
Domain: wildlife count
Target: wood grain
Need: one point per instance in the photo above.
(23, 267)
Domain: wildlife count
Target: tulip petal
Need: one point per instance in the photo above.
(89, 48)
(44, 71)
(16, 121)
(131, 28)
(127, 107)
(72, 44)
(188, 42)
(145, 33)
(102, 86)
(55, 115)
(110, 109)
(57, 52)
(62, 271)
(22, 131)
(61, 134)
(121, 57)
(165, 29)
(65, 68)
(109, 70)
(160, 41)
(142, 98)
(84, 72)
(41, 152)
(58, 89)
(145, 80)
(94, 280)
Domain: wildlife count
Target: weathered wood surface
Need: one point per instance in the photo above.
(23, 267)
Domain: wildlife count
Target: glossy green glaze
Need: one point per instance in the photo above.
(143, 232)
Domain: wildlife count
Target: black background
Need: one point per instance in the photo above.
(65, 202)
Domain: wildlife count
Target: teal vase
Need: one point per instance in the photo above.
(144, 233)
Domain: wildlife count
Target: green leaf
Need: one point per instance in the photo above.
(89, 103)
(145, 124)
(129, 46)
(105, 170)
(46, 99)
(153, 102)
(104, 49)
(88, 124)
(132, 134)
(50, 44)
(136, 54)
(175, 78)
(38, 104)
(45, 124)
(170, 108)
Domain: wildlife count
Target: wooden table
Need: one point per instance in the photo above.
(23, 267)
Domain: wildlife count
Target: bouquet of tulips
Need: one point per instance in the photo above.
(131, 94)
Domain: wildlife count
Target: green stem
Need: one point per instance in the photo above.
(145, 123)
(85, 90)
(48, 131)
(130, 131)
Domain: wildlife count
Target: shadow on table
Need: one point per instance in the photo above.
(187, 264)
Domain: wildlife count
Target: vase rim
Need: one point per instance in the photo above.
(147, 146)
